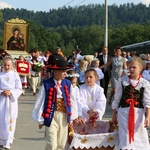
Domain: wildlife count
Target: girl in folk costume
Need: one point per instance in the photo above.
(73, 77)
(53, 107)
(131, 108)
(92, 97)
(23, 78)
(10, 90)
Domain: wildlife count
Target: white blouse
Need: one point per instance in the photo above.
(125, 81)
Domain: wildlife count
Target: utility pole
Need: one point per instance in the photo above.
(106, 24)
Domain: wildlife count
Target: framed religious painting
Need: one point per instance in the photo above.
(16, 35)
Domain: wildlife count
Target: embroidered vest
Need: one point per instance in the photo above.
(51, 99)
(131, 93)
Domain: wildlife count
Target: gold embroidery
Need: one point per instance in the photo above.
(111, 138)
(83, 141)
(60, 105)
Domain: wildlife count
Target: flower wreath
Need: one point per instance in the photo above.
(72, 75)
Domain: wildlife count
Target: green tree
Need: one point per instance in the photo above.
(1, 15)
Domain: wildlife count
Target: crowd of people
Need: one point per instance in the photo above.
(74, 90)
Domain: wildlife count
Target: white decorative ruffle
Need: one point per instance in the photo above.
(94, 140)
(99, 138)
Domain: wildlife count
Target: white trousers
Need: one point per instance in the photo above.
(35, 81)
(56, 135)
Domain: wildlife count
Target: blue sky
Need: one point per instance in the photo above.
(45, 5)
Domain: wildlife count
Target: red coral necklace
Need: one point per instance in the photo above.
(137, 82)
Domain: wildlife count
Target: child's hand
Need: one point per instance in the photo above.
(147, 122)
(114, 117)
(40, 126)
(79, 120)
(114, 120)
(6, 93)
(90, 112)
(94, 116)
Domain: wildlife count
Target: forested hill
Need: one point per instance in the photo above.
(83, 26)
(85, 15)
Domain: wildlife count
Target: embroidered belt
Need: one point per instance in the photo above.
(60, 105)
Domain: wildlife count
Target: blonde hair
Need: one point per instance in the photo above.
(8, 58)
(94, 62)
(82, 65)
(137, 59)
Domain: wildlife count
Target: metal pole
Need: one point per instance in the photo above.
(106, 24)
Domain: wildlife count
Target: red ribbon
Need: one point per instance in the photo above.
(132, 102)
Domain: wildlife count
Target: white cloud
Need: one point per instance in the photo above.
(147, 2)
(5, 5)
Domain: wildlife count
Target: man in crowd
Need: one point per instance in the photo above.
(106, 71)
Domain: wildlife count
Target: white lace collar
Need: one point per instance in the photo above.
(142, 83)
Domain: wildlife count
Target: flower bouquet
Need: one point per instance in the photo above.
(37, 67)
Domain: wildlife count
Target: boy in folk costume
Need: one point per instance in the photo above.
(131, 108)
(10, 90)
(54, 107)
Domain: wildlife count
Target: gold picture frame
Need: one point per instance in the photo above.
(16, 35)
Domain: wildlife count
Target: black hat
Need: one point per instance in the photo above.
(60, 64)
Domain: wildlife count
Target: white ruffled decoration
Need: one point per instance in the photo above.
(94, 137)
(94, 140)
(72, 75)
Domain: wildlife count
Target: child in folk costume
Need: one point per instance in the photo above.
(53, 107)
(73, 77)
(10, 90)
(132, 107)
(23, 78)
(92, 97)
